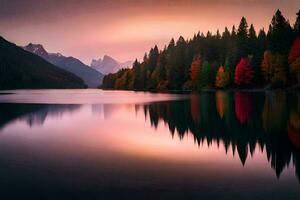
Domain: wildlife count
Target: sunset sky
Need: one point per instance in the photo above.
(126, 29)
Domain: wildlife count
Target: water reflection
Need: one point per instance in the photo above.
(223, 141)
(242, 121)
(33, 114)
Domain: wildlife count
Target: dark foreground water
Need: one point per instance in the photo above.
(90, 144)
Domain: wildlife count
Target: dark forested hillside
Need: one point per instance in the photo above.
(21, 69)
(236, 58)
(91, 77)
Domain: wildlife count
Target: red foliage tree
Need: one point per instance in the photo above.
(244, 73)
(294, 59)
(295, 51)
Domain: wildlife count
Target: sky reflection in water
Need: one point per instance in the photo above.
(229, 145)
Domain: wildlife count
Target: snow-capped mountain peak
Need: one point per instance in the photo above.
(36, 49)
(108, 64)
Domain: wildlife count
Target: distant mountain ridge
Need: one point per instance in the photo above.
(90, 76)
(21, 69)
(109, 65)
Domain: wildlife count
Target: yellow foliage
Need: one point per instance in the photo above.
(222, 78)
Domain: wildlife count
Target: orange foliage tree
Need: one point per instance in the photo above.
(274, 68)
(222, 78)
(244, 73)
(195, 70)
(266, 66)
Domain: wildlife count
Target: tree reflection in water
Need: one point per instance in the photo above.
(243, 121)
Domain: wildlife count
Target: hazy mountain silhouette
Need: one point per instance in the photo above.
(21, 69)
(109, 65)
(90, 76)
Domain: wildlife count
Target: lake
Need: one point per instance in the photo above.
(94, 144)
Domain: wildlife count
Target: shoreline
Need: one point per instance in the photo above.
(294, 88)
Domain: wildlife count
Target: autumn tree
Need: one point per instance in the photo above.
(222, 78)
(294, 59)
(266, 66)
(280, 69)
(243, 75)
(195, 70)
(274, 68)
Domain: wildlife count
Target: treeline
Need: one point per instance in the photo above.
(235, 58)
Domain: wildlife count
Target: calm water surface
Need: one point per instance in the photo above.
(93, 144)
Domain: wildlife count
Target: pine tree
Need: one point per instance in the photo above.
(218, 36)
(233, 31)
(153, 57)
(226, 34)
(262, 40)
(280, 34)
(255, 52)
(137, 70)
(204, 75)
(176, 65)
(252, 40)
(242, 38)
(171, 44)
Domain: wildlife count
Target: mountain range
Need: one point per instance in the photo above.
(109, 65)
(90, 76)
(22, 69)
